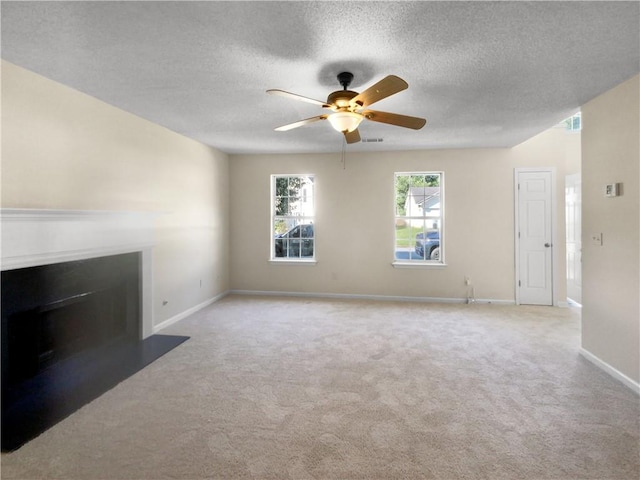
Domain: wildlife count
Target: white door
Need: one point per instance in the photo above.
(573, 205)
(534, 237)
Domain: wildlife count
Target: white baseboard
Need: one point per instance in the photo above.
(618, 375)
(192, 310)
(186, 313)
(392, 298)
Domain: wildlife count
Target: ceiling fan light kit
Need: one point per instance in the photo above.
(348, 106)
(345, 121)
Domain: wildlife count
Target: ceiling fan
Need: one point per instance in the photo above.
(350, 108)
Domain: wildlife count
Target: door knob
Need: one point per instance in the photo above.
(547, 245)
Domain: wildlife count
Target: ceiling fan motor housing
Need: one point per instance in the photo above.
(340, 98)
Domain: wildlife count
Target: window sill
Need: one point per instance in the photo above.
(305, 263)
(418, 265)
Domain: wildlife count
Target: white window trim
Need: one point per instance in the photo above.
(417, 264)
(300, 263)
(428, 264)
(303, 261)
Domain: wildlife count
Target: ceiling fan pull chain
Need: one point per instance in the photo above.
(344, 149)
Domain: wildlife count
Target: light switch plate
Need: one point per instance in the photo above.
(596, 239)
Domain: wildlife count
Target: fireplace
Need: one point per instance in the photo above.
(52, 312)
(77, 312)
(32, 238)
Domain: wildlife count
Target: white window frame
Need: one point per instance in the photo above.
(303, 217)
(572, 123)
(418, 262)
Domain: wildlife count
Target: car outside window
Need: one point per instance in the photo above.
(419, 216)
(292, 217)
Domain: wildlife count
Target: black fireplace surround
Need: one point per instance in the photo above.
(70, 332)
(52, 312)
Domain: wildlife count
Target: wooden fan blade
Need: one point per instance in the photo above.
(395, 119)
(295, 96)
(352, 137)
(384, 88)
(300, 123)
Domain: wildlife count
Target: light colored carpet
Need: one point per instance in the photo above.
(279, 388)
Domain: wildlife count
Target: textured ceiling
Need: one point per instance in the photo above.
(484, 74)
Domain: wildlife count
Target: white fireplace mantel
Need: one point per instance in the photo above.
(33, 237)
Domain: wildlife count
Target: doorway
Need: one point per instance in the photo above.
(534, 235)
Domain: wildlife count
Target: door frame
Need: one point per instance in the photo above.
(553, 229)
(578, 234)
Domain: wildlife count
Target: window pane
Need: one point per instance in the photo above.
(428, 243)
(306, 196)
(307, 231)
(576, 123)
(279, 226)
(291, 245)
(281, 206)
(294, 206)
(294, 186)
(282, 184)
(307, 248)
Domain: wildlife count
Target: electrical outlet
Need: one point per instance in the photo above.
(467, 280)
(596, 239)
(612, 190)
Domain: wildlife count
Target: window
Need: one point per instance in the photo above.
(292, 217)
(419, 217)
(573, 123)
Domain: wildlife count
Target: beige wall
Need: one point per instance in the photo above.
(611, 272)
(62, 149)
(355, 221)
(65, 150)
